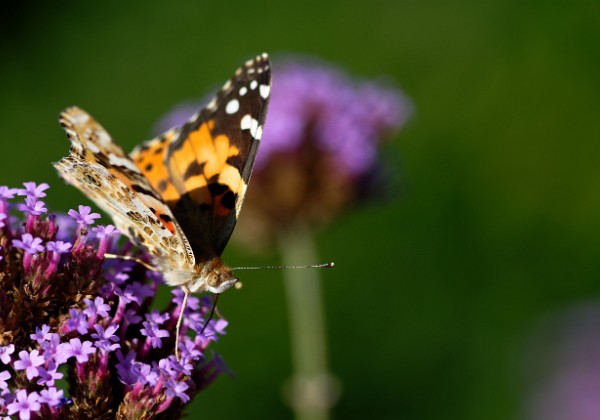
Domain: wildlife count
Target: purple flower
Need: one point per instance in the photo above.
(49, 375)
(68, 298)
(146, 374)
(24, 404)
(177, 389)
(132, 317)
(4, 376)
(80, 351)
(78, 321)
(41, 334)
(135, 292)
(125, 367)
(33, 190)
(6, 193)
(189, 349)
(84, 217)
(96, 307)
(28, 243)
(104, 338)
(52, 349)
(51, 396)
(155, 317)
(105, 231)
(167, 368)
(60, 247)
(29, 362)
(5, 352)
(193, 303)
(154, 334)
(32, 206)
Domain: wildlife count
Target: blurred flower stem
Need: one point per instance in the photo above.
(311, 390)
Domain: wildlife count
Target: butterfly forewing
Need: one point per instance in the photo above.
(209, 160)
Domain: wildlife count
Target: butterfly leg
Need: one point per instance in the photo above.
(130, 258)
(186, 293)
(212, 312)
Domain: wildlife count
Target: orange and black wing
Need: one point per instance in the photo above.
(202, 169)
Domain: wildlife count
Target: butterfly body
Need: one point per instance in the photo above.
(178, 195)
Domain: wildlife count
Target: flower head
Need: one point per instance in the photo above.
(66, 318)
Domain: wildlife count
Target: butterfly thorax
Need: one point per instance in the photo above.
(212, 276)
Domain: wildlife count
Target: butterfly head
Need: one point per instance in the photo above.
(216, 276)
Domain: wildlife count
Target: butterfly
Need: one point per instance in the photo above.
(178, 195)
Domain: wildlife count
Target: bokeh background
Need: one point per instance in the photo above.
(493, 221)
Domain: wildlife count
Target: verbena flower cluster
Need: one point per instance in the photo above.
(79, 334)
(320, 149)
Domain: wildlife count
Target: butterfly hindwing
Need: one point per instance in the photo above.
(101, 170)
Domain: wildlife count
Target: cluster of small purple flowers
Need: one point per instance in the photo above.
(69, 317)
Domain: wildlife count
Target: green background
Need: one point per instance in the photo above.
(495, 217)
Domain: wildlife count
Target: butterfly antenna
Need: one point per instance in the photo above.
(277, 267)
(130, 258)
(212, 312)
(186, 294)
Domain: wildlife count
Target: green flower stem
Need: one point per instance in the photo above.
(311, 391)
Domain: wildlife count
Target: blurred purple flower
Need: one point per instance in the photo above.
(564, 366)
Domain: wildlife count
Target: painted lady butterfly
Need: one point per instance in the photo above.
(178, 195)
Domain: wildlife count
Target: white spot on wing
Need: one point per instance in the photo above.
(93, 147)
(246, 122)
(253, 84)
(265, 90)
(80, 118)
(103, 138)
(212, 105)
(232, 106)
(258, 133)
(119, 161)
(243, 90)
(249, 123)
